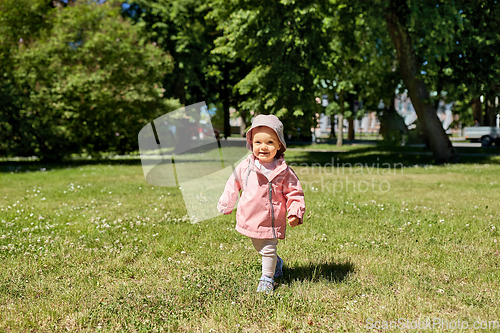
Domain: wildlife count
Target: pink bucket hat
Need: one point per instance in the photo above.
(273, 123)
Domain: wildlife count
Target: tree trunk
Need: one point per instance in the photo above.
(491, 112)
(350, 133)
(490, 117)
(477, 110)
(225, 103)
(340, 118)
(332, 126)
(440, 144)
(243, 125)
(392, 125)
(227, 126)
(179, 89)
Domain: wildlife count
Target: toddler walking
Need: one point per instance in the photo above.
(270, 194)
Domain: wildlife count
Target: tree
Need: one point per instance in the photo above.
(89, 82)
(298, 51)
(187, 32)
(472, 67)
(280, 42)
(399, 19)
(20, 22)
(180, 29)
(360, 63)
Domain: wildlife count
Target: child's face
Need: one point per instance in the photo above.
(265, 144)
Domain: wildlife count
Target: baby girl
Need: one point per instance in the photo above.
(270, 194)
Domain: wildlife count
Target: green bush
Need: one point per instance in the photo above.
(87, 82)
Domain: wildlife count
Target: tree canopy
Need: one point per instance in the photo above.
(86, 76)
(82, 79)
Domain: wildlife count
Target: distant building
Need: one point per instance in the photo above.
(405, 108)
(369, 124)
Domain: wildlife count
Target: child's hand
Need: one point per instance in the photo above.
(293, 221)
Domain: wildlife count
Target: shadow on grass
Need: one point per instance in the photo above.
(24, 166)
(373, 156)
(314, 272)
(382, 157)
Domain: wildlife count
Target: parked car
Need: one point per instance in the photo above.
(484, 134)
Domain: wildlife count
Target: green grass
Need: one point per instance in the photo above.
(96, 248)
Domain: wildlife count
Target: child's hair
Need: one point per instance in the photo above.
(273, 123)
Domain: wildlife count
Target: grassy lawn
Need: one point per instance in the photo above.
(95, 248)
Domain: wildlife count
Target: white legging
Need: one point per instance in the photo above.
(267, 249)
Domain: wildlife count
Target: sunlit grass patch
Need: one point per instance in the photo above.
(95, 247)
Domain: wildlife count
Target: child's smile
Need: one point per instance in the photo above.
(265, 144)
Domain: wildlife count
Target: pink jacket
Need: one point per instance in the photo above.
(254, 217)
